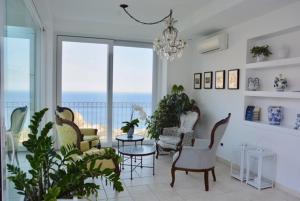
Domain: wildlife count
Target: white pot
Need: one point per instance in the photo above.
(74, 199)
(260, 58)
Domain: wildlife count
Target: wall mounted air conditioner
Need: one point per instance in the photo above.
(213, 43)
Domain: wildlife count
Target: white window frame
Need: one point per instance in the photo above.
(111, 43)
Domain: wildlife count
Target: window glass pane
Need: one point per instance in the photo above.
(132, 86)
(84, 83)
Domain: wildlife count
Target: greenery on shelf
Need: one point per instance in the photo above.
(260, 50)
(168, 112)
(129, 124)
(61, 174)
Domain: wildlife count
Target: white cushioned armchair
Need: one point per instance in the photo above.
(202, 156)
(173, 137)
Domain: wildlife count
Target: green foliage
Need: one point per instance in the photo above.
(168, 112)
(60, 174)
(129, 124)
(261, 50)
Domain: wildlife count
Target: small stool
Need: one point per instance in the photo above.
(264, 158)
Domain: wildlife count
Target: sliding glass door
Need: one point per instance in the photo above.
(21, 47)
(84, 81)
(103, 83)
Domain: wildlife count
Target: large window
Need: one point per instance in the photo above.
(103, 83)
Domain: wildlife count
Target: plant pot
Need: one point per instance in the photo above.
(73, 199)
(260, 58)
(275, 115)
(130, 132)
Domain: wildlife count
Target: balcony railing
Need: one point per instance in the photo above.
(94, 115)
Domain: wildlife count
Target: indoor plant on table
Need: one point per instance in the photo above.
(168, 112)
(60, 174)
(129, 125)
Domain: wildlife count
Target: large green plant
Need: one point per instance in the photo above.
(168, 112)
(60, 174)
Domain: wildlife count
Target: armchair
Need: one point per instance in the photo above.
(70, 134)
(202, 156)
(17, 120)
(172, 138)
(89, 134)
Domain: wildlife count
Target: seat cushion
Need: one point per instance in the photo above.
(169, 139)
(166, 145)
(105, 163)
(90, 137)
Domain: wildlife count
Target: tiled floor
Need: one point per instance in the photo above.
(145, 187)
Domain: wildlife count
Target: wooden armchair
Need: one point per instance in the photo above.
(172, 138)
(69, 134)
(202, 156)
(89, 134)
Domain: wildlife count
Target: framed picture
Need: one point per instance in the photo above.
(208, 77)
(197, 80)
(234, 79)
(220, 79)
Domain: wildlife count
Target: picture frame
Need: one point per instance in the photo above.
(208, 79)
(197, 80)
(220, 79)
(234, 79)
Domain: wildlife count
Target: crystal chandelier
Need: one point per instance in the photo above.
(168, 46)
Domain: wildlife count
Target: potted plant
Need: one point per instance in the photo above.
(58, 174)
(168, 112)
(260, 52)
(129, 125)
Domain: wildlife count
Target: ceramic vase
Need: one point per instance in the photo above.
(275, 115)
(280, 83)
(260, 58)
(253, 83)
(130, 132)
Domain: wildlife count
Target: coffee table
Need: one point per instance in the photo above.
(135, 138)
(140, 150)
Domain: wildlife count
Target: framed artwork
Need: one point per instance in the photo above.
(220, 79)
(197, 80)
(208, 77)
(234, 79)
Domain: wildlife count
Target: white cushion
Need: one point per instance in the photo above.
(166, 145)
(169, 139)
(187, 121)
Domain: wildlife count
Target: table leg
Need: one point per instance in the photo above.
(131, 167)
(135, 156)
(153, 164)
(141, 161)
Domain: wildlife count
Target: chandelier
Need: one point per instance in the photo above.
(168, 46)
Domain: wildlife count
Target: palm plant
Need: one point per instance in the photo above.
(60, 174)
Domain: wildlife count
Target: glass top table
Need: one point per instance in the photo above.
(138, 151)
(135, 138)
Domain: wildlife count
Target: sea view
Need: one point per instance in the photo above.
(90, 108)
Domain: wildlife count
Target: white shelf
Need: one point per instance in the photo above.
(266, 126)
(275, 63)
(273, 94)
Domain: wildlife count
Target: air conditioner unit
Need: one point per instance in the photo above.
(213, 43)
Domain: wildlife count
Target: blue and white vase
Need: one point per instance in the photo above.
(275, 115)
(130, 132)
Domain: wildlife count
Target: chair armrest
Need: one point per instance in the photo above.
(170, 131)
(88, 131)
(84, 146)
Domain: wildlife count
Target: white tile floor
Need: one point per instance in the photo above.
(145, 187)
(190, 187)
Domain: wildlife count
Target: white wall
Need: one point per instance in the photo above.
(215, 104)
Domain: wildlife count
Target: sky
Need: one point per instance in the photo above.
(84, 68)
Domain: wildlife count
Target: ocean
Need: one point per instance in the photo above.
(90, 107)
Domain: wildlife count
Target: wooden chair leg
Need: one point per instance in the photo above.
(206, 180)
(186, 172)
(173, 177)
(213, 174)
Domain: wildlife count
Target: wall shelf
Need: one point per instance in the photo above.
(275, 63)
(266, 126)
(273, 94)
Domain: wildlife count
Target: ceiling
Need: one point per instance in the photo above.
(195, 17)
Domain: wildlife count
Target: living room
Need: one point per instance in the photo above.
(107, 73)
